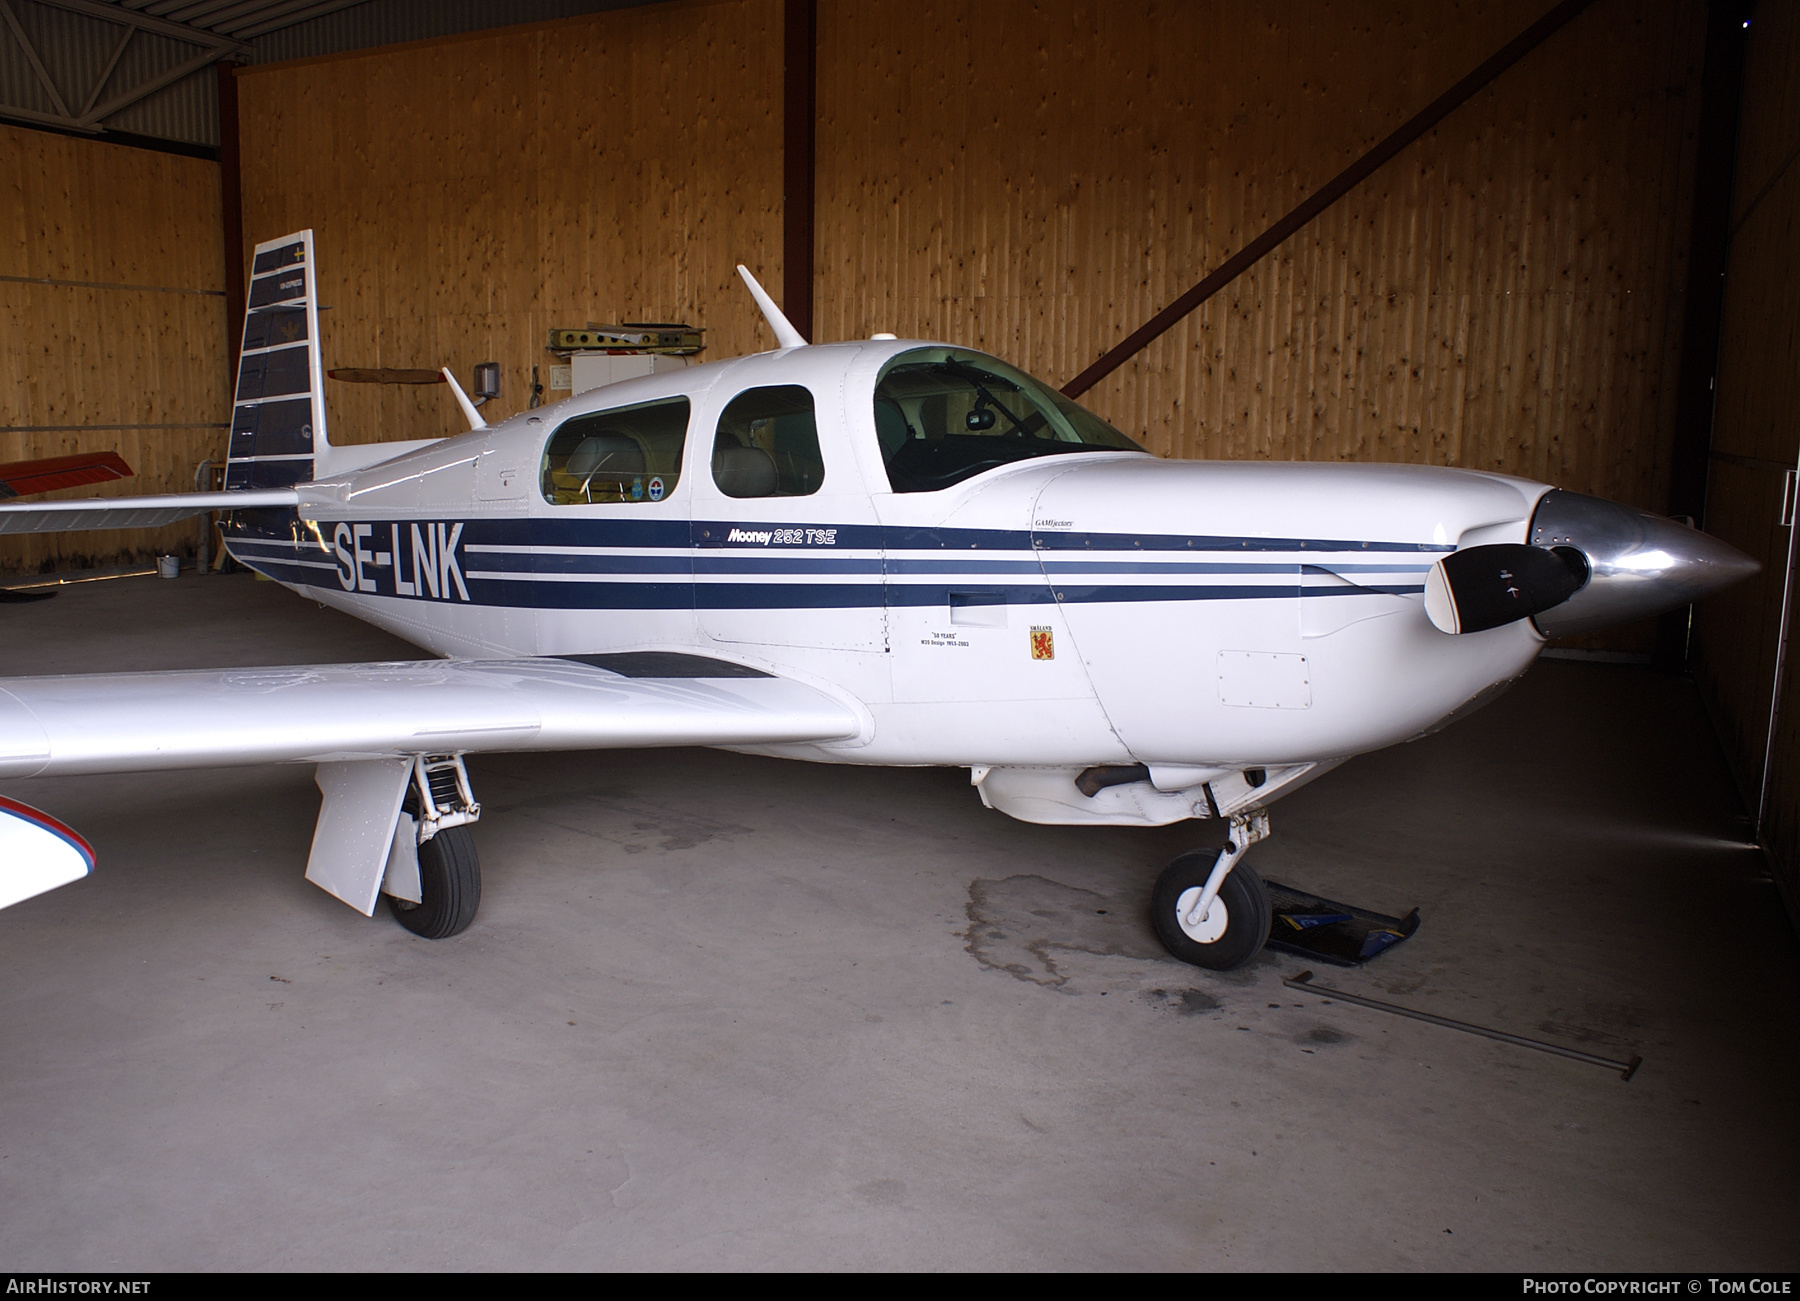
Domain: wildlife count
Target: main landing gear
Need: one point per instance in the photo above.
(449, 887)
(1215, 914)
(449, 872)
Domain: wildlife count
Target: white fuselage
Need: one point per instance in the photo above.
(1096, 608)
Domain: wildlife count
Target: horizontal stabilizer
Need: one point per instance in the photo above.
(133, 512)
(139, 722)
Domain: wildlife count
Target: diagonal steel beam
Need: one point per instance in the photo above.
(1326, 195)
(124, 100)
(31, 56)
(100, 84)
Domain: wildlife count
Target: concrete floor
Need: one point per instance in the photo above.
(727, 1012)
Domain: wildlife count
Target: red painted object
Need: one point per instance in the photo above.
(21, 478)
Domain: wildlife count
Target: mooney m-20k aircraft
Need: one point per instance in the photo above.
(879, 552)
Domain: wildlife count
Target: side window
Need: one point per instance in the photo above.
(632, 454)
(768, 444)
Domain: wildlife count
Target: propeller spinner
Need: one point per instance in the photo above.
(1590, 564)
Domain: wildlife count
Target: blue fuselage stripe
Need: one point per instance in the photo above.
(674, 564)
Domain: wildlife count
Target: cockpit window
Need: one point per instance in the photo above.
(944, 414)
(628, 455)
(768, 444)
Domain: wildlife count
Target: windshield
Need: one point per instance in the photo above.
(944, 414)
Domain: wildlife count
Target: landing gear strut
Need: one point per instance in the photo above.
(441, 806)
(1215, 914)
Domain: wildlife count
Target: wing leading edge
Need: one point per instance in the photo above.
(136, 722)
(133, 512)
(368, 727)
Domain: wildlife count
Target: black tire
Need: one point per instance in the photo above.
(450, 881)
(1247, 912)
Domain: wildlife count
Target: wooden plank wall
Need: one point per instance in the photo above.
(1036, 179)
(112, 310)
(1039, 179)
(1756, 436)
(468, 195)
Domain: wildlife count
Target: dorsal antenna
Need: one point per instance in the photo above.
(462, 400)
(785, 334)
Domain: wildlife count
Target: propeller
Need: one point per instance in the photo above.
(1484, 587)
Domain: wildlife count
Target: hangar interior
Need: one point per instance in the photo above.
(725, 1011)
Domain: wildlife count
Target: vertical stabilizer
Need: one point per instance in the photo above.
(278, 416)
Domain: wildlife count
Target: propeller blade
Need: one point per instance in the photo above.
(1485, 587)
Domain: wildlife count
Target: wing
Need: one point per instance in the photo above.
(133, 512)
(367, 726)
(136, 722)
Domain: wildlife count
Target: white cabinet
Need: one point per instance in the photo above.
(591, 370)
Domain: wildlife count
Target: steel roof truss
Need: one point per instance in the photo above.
(31, 55)
(149, 22)
(107, 72)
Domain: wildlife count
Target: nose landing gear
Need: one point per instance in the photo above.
(1215, 914)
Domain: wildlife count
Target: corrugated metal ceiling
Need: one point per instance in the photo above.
(144, 67)
(243, 20)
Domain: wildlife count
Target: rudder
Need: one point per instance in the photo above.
(278, 414)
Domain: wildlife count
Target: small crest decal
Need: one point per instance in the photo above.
(1043, 645)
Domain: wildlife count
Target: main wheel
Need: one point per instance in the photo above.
(449, 880)
(1234, 929)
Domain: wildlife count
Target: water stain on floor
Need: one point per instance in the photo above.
(1026, 926)
(1188, 1002)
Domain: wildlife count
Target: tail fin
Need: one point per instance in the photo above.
(278, 418)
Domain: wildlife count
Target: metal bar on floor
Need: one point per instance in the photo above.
(1304, 981)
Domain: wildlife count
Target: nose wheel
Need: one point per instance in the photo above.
(1214, 912)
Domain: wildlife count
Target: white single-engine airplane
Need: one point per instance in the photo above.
(879, 552)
